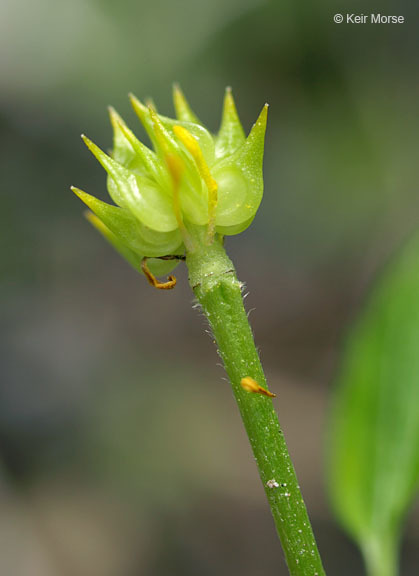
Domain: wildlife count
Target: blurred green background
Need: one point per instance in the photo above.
(121, 449)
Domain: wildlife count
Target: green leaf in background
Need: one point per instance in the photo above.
(374, 432)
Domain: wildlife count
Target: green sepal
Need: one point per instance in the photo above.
(193, 196)
(122, 150)
(133, 234)
(231, 134)
(130, 152)
(143, 113)
(240, 178)
(183, 111)
(232, 230)
(160, 131)
(138, 194)
(193, 193)
(201, 134)
(157, 267)
(250, 156)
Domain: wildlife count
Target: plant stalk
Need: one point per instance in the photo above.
(213, 279)
(381, 555)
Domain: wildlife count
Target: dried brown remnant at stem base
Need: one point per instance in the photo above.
(168, 285)
(251, 385)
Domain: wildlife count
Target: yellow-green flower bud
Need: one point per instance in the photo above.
(189, 188)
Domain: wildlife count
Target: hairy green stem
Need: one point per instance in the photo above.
(215, 284)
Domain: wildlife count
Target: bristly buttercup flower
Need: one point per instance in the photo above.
(192, 187)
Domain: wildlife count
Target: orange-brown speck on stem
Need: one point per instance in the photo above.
(251, 385)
